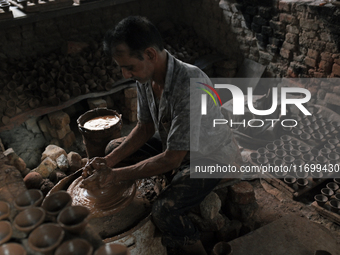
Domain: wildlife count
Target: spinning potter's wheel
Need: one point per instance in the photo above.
(103, 201)
(113, 210)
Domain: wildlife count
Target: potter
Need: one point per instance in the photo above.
(163, 87)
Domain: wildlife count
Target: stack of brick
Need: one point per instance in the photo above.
(56, 125)
(129, 107)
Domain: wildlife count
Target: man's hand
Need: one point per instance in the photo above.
(97, 175)
(93, 164)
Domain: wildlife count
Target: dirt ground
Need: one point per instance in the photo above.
(273, 204)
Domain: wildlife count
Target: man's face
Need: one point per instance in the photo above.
(131, 66)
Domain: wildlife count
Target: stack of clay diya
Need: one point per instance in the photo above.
(314, 129)
(32, 225)
(302, 164)
(330, 196)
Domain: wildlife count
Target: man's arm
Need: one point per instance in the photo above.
(136, 139)
(159, 164)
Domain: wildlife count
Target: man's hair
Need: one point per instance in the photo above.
(138, 33)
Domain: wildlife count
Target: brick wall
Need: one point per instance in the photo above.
(291, 38)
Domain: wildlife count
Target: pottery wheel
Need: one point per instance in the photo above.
(103, 202)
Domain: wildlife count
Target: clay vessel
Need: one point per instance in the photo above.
(4, 210)
(112, 249)
(333, 186)
(262, 160)
(12, 248)
(302, 183)
(271, 147)
(285, 138)
(74, 219)
(222, 248)
(254, 156)
(56, 202)
(335, 205)
(75, 246)
(5, 231)
(270, 156)
(327, 192)
(280, 153)
(295, 153)
(305, 137)
(46, 238)
(287, 147)
(320, 199)
(333, 156)
(29, 198)
(316, 175)
(307, 157)
(337, 196)
(262, 151)
(304, 149)
(29, 219)
(278, 143)
(289, 180)
(295, 143)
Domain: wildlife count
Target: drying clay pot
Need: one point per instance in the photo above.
(75, 246)
(46, 238)
(29, 219)
(335, 205)
(289, 180)
(285, 138)
(271, 147)
(327, 192)
(301, 174)
(5, 231)
(56, 202)
(302, 183)
(321, 199)
(74, 219)
(112, 249)
(4, 210)
(12, 248)
(32, 197)
(254, 156)
(333, 186)
(278, 143)
(316, 175)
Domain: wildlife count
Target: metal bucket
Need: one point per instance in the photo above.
(96, 140)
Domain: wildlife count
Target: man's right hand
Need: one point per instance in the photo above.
(95, 163)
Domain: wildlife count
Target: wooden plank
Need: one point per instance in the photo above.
(325, 212)
(21, 118)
